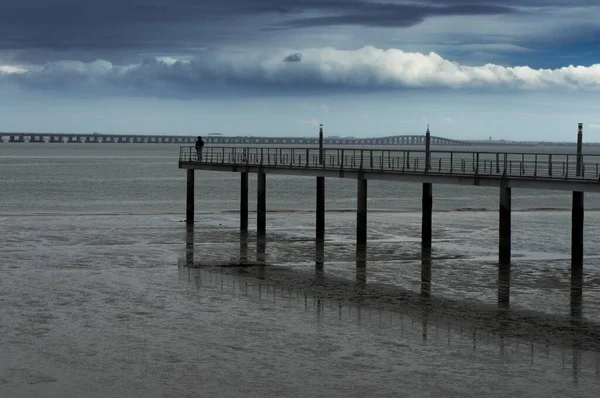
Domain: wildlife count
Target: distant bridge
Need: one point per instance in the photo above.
(221, 140)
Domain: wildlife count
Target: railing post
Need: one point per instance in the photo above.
(223, 156)
(307, 158)
(361, 158)
(497, 163)
(522, 172)
(451, 162)
(477, 165)
(535, 167)
(550, 165)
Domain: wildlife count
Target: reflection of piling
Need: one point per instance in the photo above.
(319, 255)
(504, 286)
(426, 276)
(243, 247)
(361, 265)
(419, 319)
(576, 292)
(189, 245)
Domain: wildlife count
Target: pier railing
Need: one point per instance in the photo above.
(526, 165)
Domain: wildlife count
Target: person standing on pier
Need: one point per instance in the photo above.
(199, 145)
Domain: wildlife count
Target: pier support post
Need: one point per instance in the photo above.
(361, 213)
(189, 214)
(505, 226)
(577, 216)
(244, 202)
(261, 206)
(320, 209)
(427, 204)
(261, 216)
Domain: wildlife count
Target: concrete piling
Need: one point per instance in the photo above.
(577, 216)
(189, 219)
(426, 220)
(244, 202)
(320, 222)
(504, 248)
(361, 213)
(261, 206)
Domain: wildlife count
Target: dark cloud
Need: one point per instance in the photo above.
(33, 32)
(175, 25)
(296, 57)
(394, 15)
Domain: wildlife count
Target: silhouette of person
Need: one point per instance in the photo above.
(199, 145)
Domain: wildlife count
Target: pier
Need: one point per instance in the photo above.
(503, 171)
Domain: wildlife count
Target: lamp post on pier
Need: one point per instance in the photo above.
(320, 143)
(320, 221)
(579, 148)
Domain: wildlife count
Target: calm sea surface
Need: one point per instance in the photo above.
(97, 299)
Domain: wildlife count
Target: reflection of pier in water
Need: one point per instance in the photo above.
(571, 342)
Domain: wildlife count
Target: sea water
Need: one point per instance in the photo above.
(104, 292)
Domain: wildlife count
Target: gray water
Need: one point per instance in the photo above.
(105, 293)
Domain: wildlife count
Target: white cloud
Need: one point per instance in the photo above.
(367, 67)
(8, 69)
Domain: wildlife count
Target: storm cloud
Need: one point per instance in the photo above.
(182, 25)
(168, 46)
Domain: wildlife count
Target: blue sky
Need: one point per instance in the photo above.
(517, 69)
